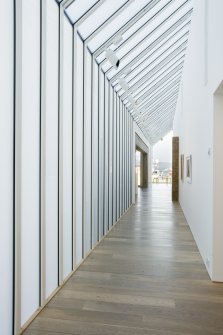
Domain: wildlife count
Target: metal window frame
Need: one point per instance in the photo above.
(154, 44)
(151, 33)
(184, 43)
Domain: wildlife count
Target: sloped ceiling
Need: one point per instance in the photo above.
(149, 39)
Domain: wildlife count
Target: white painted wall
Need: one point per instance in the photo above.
(162, 150)
(193, 123)
(6, 166)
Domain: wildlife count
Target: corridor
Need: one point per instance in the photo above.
(145, 277)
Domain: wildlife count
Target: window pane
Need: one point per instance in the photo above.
(78, 8)
(147, 36)
(100, 15)
(118, 22)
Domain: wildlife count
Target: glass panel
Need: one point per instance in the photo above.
(67, 149)
(152, 97)
(114, 167)
(139, 92)
(153, 24)
(87, 153)
(79, 8)
(101, 154)
(106, 153)
(118, 22)
(101, 14)
(153, 62)
(146, 19)
(176, 38)
(78, 149)
(51, 146)
(157, 76)
(30, 171)
(153, 86)
(121, 157)
(6, 166)
(156, 58)
(142, 40)
(118, 158)
(95, 155)
(163, 61)
(160, 100)
(110, 163)
(160, 108)
(140, 22)
(135, 57)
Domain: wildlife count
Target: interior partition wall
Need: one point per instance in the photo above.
(66, 171)
(7, 165)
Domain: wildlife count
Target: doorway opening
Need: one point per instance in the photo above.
(218, 185)
(141, 167)
(162, 160)
(138, 167)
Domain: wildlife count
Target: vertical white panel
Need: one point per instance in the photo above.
(126, 171)
(124, 155)
(6, 166)
(121, 157)
(106, 154)
(118, 159)
(87, 152)
(101, 153)
(114, 216)
(66, 119)
(95, 155)
(51, 147)
(78, 144)
(30, 159)
(129, 155)
(110, 164)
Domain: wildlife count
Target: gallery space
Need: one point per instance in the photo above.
(99, 235)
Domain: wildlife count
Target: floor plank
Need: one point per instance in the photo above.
(145, 277)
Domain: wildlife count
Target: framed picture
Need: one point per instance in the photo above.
(189, 169)
(182, 167)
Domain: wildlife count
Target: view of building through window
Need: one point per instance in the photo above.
(162, 160)
(138, 162)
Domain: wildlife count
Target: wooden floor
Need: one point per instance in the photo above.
(145, 277)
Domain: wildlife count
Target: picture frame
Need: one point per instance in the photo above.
(189, 169)
(182, 167)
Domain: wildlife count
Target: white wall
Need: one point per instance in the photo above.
(6, 166)
(162, 150)
(193, 122)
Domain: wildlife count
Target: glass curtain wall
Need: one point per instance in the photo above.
(67, 144)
